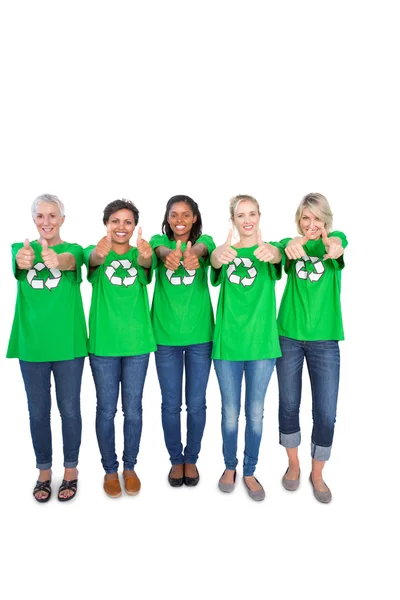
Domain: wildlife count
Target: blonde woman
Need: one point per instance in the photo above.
(310, 327)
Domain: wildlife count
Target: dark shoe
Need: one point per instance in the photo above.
(42, 486)
(290, 485)
(255, 494)
(68, 485)
(191, 481)
(175, 481)
(324, 497)
(227, 487)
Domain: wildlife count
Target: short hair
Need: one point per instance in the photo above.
(50, 199)
(236, 200)
(319, 206)
(117, 205)
(197, 227)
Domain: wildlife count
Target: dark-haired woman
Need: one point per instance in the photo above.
(183, 323)
(120, 337)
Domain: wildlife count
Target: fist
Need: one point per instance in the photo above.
(143, 247)
(25, 256)
(173, 259)
(49, 256)
(190, 260)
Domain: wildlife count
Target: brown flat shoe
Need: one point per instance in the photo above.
(112, 487)
(132, 483)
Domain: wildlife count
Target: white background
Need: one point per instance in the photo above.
(102, 100)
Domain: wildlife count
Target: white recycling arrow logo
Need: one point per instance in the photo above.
(127, 266)
(186, 279)
(318, 265)
(49, 282)
(251, 271)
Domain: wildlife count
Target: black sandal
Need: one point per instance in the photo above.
(42, 486)
(68, 485)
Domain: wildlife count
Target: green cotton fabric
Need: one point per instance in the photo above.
(49, 321)
(246, 327)
(182, 312)
(119, 317)
(310, 308)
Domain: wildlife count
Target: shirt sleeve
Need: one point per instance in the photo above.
(92, 272)
(341, 235)
(146, 274)
(275, 269)
(210, 244)
(18, 273)
(216, 275)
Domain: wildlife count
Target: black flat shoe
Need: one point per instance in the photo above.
(174, 481)
(191, 481)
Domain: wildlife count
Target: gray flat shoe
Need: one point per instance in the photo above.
(324, 497)
(257, 494)
(290, 485)
(227, 487)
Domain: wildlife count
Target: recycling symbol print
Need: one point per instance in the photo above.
(181, 276)
(36, 280)
(310, 267)
(246, 279)
(125, 265)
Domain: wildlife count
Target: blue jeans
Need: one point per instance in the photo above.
(67, 376)
(257, 374)
(323, 362)
(108, 372)
(169, 364)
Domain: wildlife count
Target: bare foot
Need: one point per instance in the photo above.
(43, 476)
(69, 475)
(252, 483)
(228, 476)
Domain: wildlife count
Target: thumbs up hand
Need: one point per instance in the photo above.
(295, 249)
(25, 256)
(190, 260)
(173, 260)
(49, 256)
(333, 245)
(264, 252)
(224, 254)
(104, 246)
(143, 247)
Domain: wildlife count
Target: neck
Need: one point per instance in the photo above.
(183, 238)
(120, 248)
(247, 242)
(53, 242)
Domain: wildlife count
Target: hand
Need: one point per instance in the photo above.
(264, 252)
(143, 247)
(104, 246)
(294, 249)
(190, 260)
(225, 254)
(173, 259)
(49, 256)
(25, 256)
(333, 245)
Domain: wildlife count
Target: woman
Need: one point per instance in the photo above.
(246, 335)
(310, 326)
(183, 324)
(49, 336)
(120, 337)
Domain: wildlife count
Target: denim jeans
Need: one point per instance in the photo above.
(67, 376)
(257, 374)
(169, 364)
(323, 362)
(108, 373)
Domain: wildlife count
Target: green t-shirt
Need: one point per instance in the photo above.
(49, 321)
(246, 326)
(182, 311)
(119, 317)
(310, 308)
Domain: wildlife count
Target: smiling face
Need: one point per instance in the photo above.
(246, 219)
(310, 223)
(48, 221)
(181, 220)
(122, 226)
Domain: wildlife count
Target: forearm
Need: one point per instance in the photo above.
(144, 262)
(66, 262)
(216, 263)
(277, 255)
(162, 252)
(95, 260)
(200, 249)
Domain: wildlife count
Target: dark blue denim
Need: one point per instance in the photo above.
(169, 364)
(67, 376)
(108, 373)
(257, 375)
(323, 362)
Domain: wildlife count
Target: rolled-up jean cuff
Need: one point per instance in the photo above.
(320, 452)
(43, 466)
(290, 440)
(71, 465)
